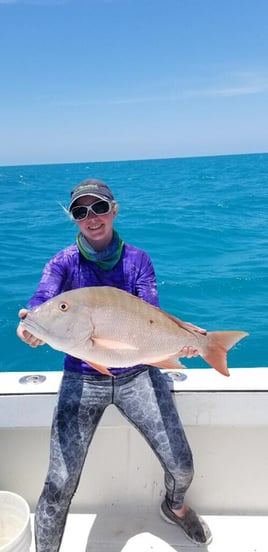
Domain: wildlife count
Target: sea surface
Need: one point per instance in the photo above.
(204, 222)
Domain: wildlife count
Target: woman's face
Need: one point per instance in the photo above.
(97, 229)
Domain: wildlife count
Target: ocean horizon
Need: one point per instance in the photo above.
(203, 220)
(134, 160)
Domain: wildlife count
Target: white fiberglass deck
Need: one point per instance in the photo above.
(149, 533)
(116, 506)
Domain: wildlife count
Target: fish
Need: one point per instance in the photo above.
(107, 327)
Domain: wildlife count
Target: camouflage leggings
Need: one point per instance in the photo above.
(143, 396)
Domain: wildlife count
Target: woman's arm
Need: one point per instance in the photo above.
(51, 283)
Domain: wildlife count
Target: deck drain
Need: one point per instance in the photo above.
(32, 378)
(177, 376)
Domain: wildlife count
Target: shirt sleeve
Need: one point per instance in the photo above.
(145, 286)
(53, 280)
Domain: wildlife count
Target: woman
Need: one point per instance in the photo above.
(100, 258)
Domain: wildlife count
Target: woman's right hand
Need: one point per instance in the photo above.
(26, 336)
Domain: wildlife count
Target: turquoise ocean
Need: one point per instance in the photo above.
(204, 222)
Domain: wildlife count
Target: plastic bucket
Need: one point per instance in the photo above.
(15, 523)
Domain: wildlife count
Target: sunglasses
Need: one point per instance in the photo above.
(100, 207)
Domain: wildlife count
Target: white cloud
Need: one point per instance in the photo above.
(228, 91)
(223, 91)
(236, 83)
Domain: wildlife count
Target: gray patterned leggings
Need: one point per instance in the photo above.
(143, 396)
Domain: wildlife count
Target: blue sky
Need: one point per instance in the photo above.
(100, 80)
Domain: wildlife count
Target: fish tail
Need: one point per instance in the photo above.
(216, 346)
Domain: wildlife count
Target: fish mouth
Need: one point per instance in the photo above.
(33, 328)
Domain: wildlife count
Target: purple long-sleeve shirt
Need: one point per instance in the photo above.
(68, 269)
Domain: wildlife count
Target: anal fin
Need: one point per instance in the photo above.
(99, 368)
(169, 363)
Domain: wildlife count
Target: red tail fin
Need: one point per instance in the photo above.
(216, 346)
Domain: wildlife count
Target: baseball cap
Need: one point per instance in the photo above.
(93, 187)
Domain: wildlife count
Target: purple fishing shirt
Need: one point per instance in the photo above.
(68, 269)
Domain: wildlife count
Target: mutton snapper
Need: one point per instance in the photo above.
(108, 327)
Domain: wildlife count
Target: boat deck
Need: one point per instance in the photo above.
(149, 533)
(116, 506)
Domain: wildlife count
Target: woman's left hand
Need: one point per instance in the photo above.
(190, 351)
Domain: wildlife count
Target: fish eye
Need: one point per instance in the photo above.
(63, 307)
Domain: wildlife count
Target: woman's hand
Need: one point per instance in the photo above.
(26, 336)
(190, 351)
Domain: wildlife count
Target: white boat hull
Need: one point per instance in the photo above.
(226, 423)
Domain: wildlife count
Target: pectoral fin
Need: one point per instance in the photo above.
(113, 344)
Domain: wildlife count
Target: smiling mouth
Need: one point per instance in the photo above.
(95, 227)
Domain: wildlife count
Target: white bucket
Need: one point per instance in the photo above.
(15, 523)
